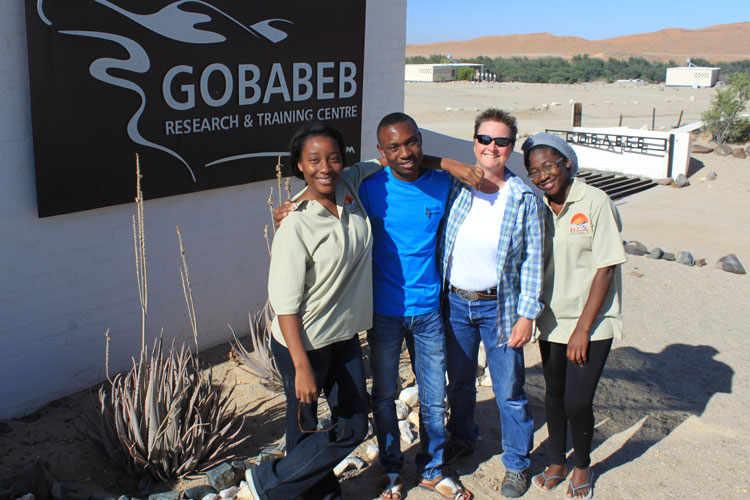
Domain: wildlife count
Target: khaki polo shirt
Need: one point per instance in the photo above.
(321, 266)
(582, 238)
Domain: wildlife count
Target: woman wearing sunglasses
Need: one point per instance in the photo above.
(582, 289)
(491, 256)
(320, 286)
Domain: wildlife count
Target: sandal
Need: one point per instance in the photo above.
(390, 485)
(590, 485)
(447, 487)
(544, 480)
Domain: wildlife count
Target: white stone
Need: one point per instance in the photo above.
(544, 107)
(210, 496)
(448, 108)
(482, 358)
(410, 396)
(350, 462)
(402, 409)
(571, 101)
(372, 452)
(413, 418)
(486, 381)
(407, 435)
(554, 103)
(692, 98)
(607, 102)
(244, 493)
(230, 492)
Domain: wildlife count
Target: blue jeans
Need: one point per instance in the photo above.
(466, 324)
(425, 339)
(307, 469)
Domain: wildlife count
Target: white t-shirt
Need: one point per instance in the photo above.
(473, 262)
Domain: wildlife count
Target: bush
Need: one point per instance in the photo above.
(721, 119)
(739, 131)
(465, 73)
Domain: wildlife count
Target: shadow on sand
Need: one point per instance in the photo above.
(694, 167)
(665, 388)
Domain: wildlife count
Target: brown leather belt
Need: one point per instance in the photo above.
(471, 296)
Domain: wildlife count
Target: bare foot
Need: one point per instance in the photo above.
(580, 478)
(554, 474)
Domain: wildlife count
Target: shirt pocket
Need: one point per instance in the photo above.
(579, 243)
(432, 214)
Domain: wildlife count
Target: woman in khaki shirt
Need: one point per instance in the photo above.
(320, 287)
(581, 293)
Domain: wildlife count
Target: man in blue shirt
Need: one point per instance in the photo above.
(406, 203)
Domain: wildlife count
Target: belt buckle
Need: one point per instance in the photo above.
(467, 295)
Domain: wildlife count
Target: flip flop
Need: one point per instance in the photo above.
(545, 480)
(589, 485)
(390, 484)
(447, 487)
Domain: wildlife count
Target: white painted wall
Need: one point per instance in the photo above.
(64, 280)
(692, 76)
(430, 72)
(654, 166)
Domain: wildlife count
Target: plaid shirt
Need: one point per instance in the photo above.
(520, 265)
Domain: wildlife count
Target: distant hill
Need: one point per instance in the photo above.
(723, 42)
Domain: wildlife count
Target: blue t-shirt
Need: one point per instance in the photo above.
(405, 217)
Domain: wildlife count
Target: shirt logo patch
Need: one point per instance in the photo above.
(351, 204)
(579, 224)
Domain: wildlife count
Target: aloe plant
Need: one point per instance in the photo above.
(260, 362)
(164, 417)
(175, 423)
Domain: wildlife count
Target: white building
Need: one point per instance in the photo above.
(692, 76)
(435, 72)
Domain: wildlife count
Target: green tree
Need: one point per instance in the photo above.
(465, 73)
(726, 106)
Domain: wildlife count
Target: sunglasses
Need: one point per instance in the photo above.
(299, 422)
(501, 142)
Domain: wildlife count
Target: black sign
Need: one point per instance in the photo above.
(208, 92)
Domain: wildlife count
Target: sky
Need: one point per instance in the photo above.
(429, 21)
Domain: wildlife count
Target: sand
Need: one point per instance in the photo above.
(671, 405)
(723, 42)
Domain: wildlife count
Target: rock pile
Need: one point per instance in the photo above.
(721, 150)
(729, 263)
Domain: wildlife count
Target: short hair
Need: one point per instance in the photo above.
(497, 115)
(392, 119)
(305, 132)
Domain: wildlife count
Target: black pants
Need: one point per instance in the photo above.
(569, 397)
(307, 469)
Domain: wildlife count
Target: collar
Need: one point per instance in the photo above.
(576, 193)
